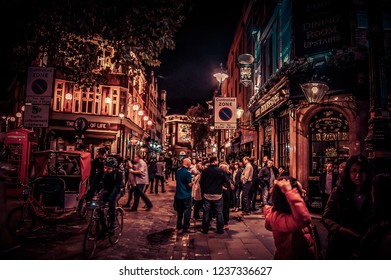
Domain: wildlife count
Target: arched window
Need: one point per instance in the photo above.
(329, 140)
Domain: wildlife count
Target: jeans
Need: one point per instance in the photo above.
(217, 205)
(183, 209)
(197, 208)
(226, 203)
(138, 191)
(158, 179)
(237, 191)
(245, 197)
(265, 195)
(111, 198)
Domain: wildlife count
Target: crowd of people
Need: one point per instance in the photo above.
(356, 212)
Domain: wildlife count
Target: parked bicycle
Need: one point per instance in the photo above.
(95, 230)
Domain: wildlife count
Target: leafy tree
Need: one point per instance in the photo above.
(73, 33)
(200, 128)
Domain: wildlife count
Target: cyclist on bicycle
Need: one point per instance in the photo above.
(109, 181)
(96, 168)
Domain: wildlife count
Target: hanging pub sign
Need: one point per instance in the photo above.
(245, 63)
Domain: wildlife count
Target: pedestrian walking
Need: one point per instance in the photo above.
(151, 175)
(131, 184)
(212, 181)
(159, 176)
(182, 199)
(141, 175)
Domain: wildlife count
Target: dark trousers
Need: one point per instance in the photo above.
(173, 174)
(236, 196)
(197, 209)
(138, 192)
(245, 197)
(208, 206)
(253, 196)
(130, 196)
(111, 198)
(183, 209)
(226, 204)
(157, 180)
(168, 172)
(150, 185)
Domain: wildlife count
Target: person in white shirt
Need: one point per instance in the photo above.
(141, 174)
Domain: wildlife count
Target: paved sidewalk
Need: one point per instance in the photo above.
(150, 235)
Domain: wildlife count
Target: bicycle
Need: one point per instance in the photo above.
(94, 228)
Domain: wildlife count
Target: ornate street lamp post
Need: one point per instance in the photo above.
(120, 144)
(220, 77)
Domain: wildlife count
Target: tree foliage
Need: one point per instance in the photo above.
(200, 128)
(73, 33)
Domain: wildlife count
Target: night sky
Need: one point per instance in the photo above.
(202, 43)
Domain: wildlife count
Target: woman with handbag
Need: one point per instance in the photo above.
(289, 220)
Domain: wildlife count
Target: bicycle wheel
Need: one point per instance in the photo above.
(82, 209)
(118, 226)
(21, 221)
(90, 238)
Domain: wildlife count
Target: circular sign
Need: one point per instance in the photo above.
(225, 114)
(39, 86)
(80, 125)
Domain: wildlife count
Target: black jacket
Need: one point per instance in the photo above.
(212, 180)
(264, 175)
(322, 181)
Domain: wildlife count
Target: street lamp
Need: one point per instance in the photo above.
(107, 102)
(220, 77)
(136, 107)
(121, 117)
(314, 91)
(68, 98)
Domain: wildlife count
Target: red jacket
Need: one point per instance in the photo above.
(284, 225)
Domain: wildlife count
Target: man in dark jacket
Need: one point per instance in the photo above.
(212, 180)
(267, 175)
(254, 185)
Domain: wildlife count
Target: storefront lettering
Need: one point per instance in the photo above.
(91, 125)
(272, 102)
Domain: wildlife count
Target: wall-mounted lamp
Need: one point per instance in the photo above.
(136, 107)
(245, 63)
(239, 112)
(314, 91)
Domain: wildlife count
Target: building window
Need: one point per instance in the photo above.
(58, 96)
(87, 102)
(329, 140)
(283, 142)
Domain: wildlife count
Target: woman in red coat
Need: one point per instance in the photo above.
(288, 219)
